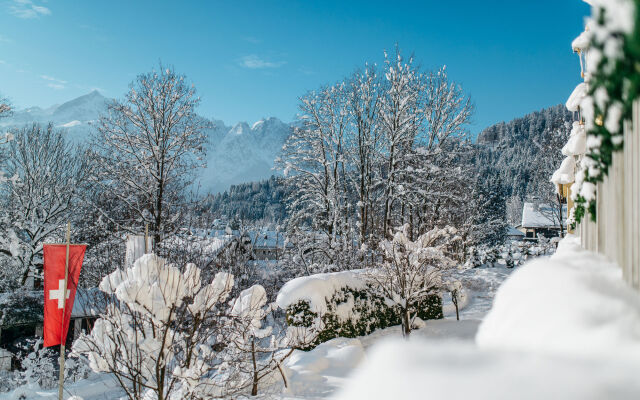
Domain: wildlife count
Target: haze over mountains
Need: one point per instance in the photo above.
(237, 154)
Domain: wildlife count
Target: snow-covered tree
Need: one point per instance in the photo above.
(375, 151)
(42, 195)
(413, 270)
(400, 121)
(315, 160)
(364, 144)
(158, 333)
(37, 365)
(147, 148)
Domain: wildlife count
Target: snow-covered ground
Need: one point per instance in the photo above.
(322, 372)
(564, 327)
(480, 286)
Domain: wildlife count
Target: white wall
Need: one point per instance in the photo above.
(616, 233)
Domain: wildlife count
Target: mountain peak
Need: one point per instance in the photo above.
(95, 93)
(240, 128)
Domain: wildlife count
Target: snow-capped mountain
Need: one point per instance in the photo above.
(75, 116)
(237, 154)
(244, 154)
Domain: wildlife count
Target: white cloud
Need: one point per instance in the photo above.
(4, 39)
(54, 83)
(27, 9)
(252, 61)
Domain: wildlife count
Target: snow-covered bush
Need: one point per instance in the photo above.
(344, 304)
(159, 328)
(510, 254)
(38, 366)
(413, 270)
(255, 351)
(167, 334)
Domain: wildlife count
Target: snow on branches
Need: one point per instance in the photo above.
(168, 333)
(147, 149)
(412, 270)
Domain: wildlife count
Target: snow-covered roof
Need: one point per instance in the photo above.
(267, 239)
(541, 216)
(259, 238)
(27, 307)
(511, 231)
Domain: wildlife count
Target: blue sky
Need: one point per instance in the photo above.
(253, 59)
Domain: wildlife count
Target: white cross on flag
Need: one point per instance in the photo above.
(57, 300)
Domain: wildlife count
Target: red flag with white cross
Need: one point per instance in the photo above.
(56, 325)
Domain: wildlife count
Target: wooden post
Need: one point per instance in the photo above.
(64, 297)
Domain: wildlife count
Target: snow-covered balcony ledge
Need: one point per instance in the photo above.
(575, 301)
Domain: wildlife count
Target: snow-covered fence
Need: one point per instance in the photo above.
(616, 234)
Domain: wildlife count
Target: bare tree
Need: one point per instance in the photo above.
(147, 148)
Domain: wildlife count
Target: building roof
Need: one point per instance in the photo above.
(511, 231)
(541, 216)
(260, 239)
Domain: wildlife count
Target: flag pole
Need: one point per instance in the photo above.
(64, 297)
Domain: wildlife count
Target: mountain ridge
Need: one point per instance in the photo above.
(235, 154)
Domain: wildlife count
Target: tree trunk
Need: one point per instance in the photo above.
(254, 387)
(406, 323)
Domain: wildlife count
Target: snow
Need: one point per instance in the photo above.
(452, 369)
(539, 216)
(319, 372)
(576, 145)
(573, 302)
(96, 386)
(563, 327)
(576, 97)
(565, 174)
(316, 289)
(581, 43)
(480, 286)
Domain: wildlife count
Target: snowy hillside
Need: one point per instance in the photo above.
(237, 154)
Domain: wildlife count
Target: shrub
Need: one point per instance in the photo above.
(357, 312)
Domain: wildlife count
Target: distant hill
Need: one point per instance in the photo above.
(235, 155)
(526, 150)
(256, 201)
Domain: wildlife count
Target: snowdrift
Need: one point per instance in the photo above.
(575, 301)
